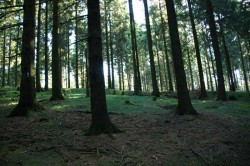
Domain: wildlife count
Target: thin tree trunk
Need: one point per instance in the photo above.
(243, 65)
(16, 57)
(87, 73)
(209, 69)
(4, 56)
(9, 59)
(107, 44)
(137, 84)
(151, 54)
(111, 54)
(221, 92)
(38, 80)
(68, 60)
(46, 58)
(190, 69)
(203, 93)
(77, 57)
(184, 101)
(227, 58)
(171, 88)
(159, 66)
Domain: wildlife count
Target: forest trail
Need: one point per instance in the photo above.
(57, 138)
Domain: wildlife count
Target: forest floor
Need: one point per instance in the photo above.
(157, 137)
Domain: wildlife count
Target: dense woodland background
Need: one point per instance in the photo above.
(232, 24)
(126, 67)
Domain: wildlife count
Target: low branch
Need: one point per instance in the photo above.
(10, 26)
(65, 22)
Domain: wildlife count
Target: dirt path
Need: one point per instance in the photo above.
(149, 139)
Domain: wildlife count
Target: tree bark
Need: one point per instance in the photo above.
(4, 56)
(184, 101)
(243, 65)
(151, 53)
(100, 120)
(77, 57)
(56, 72)
(9, 59)
(171, 88)
(111, 53)
(27, 86)
(107, 44)
(68, 60)
(46, 58)
(38, 80)
(221, 92)
(16, 57)
(203, 93)
(137, 82)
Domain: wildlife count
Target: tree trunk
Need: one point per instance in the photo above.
(77, 57)
(159, 66)
(171, 88)
(137, 82)
(27, 87)
(38, 82)
(227, 59)
(151, 54)
(184, 101)
(87, 73)
(9, 59)
(56, 72)
(111, 54)
(212, 27)
(68, 60)
(203, 93)
(107, 44)
(46, 58)
(16, 57)
(4, 56)
(209, 69)
(243, 65)
(190, 69)
(100, 120)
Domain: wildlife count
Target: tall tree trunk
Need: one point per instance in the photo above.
(203, 93)
(170, 83)
(190, 69)
(4, 56)
(211, 57)
(151, 54)
(16, 57)
(56, 71)
(9, 59)
(184, 101)
(221, 92)
(77, 57)
(159, 66)
(209, 69)
(46, 58)
(111, 54)
(87, 73)
(68, 60)
(100, 120)
(243, 65)
(107, 44)
(137, 82)
(38, 80)
(227, 58)
(27, 87)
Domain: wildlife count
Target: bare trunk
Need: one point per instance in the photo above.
(221, 92)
